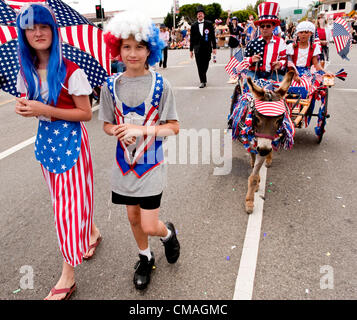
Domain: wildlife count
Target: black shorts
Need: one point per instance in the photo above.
(147, 203)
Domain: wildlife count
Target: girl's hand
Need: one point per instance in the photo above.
(297, 78)
(328, 74)
(29, 108)
(126, 131)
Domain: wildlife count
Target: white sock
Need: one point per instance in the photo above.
(146, 252)
(168, 235)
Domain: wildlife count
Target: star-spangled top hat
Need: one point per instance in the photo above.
(268, 12)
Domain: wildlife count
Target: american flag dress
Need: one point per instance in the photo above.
(72, 200)
(63, 149)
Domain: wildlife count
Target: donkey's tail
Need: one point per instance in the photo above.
(236, 93)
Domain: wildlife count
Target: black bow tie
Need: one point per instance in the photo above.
(200, 22)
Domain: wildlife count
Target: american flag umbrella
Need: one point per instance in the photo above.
(83, 43)
(342, 37)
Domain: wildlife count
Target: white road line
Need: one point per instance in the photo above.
(16, 148)
(248, 262)
(346, 90)
(204, 89)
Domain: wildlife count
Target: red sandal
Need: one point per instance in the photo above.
(94, 245)
(68, 291)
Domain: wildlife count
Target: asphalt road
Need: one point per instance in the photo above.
(309, 223)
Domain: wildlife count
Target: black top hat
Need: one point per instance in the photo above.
(199, 9)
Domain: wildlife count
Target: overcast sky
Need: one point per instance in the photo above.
(160, 8)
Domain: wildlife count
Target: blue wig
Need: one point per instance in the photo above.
(56, 69)
(155, 46)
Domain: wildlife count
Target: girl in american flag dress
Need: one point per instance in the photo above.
(55, 90)
(138, 110)
(304, 53)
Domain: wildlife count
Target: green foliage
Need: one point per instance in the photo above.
(257, 4)
(213, 11)
(168, 21)
(189, 12)
(224, 16)
(243, 15)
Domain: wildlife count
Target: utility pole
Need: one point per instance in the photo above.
(174, 13)
(101, 13)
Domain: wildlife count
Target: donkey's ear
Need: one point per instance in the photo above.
(285, 84)
(257, 91)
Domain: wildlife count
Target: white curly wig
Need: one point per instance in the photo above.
(136, 24)
(130, 23)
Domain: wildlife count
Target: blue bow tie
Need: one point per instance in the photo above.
(140, 110)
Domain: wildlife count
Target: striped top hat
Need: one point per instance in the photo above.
(270, 108)
(268, 12)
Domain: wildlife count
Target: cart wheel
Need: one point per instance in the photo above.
(325, 116)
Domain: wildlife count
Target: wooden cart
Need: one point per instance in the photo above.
(301, 108)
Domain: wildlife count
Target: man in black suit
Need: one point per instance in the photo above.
(202, 42)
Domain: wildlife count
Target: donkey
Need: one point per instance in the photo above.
(265, 128)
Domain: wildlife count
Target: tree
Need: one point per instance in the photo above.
(213, 11)
(189, 12)
(257, 4)
(168, 21)
(243, 15)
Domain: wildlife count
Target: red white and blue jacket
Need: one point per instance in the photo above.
(270, 52)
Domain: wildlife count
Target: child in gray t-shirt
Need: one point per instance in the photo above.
(138, 108)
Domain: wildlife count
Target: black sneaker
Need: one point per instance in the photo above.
(143, 269)
(172, 246)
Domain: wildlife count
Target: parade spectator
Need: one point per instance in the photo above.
(57, 93)
(290, 33)
(244, 34)
(164, 36)
(234, 40)
(117, 66)
(139, 171)
(202, 43)
(250, 28)
(325, 37)
(184, 32)
(234, 34)
(354, 28)
(277, 31)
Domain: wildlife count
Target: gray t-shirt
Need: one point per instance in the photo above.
(132, 92)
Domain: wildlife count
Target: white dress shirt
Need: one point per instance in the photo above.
(200, 26)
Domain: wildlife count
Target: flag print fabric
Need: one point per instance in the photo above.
(72, 200)
(342, 37)
(83, 43)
